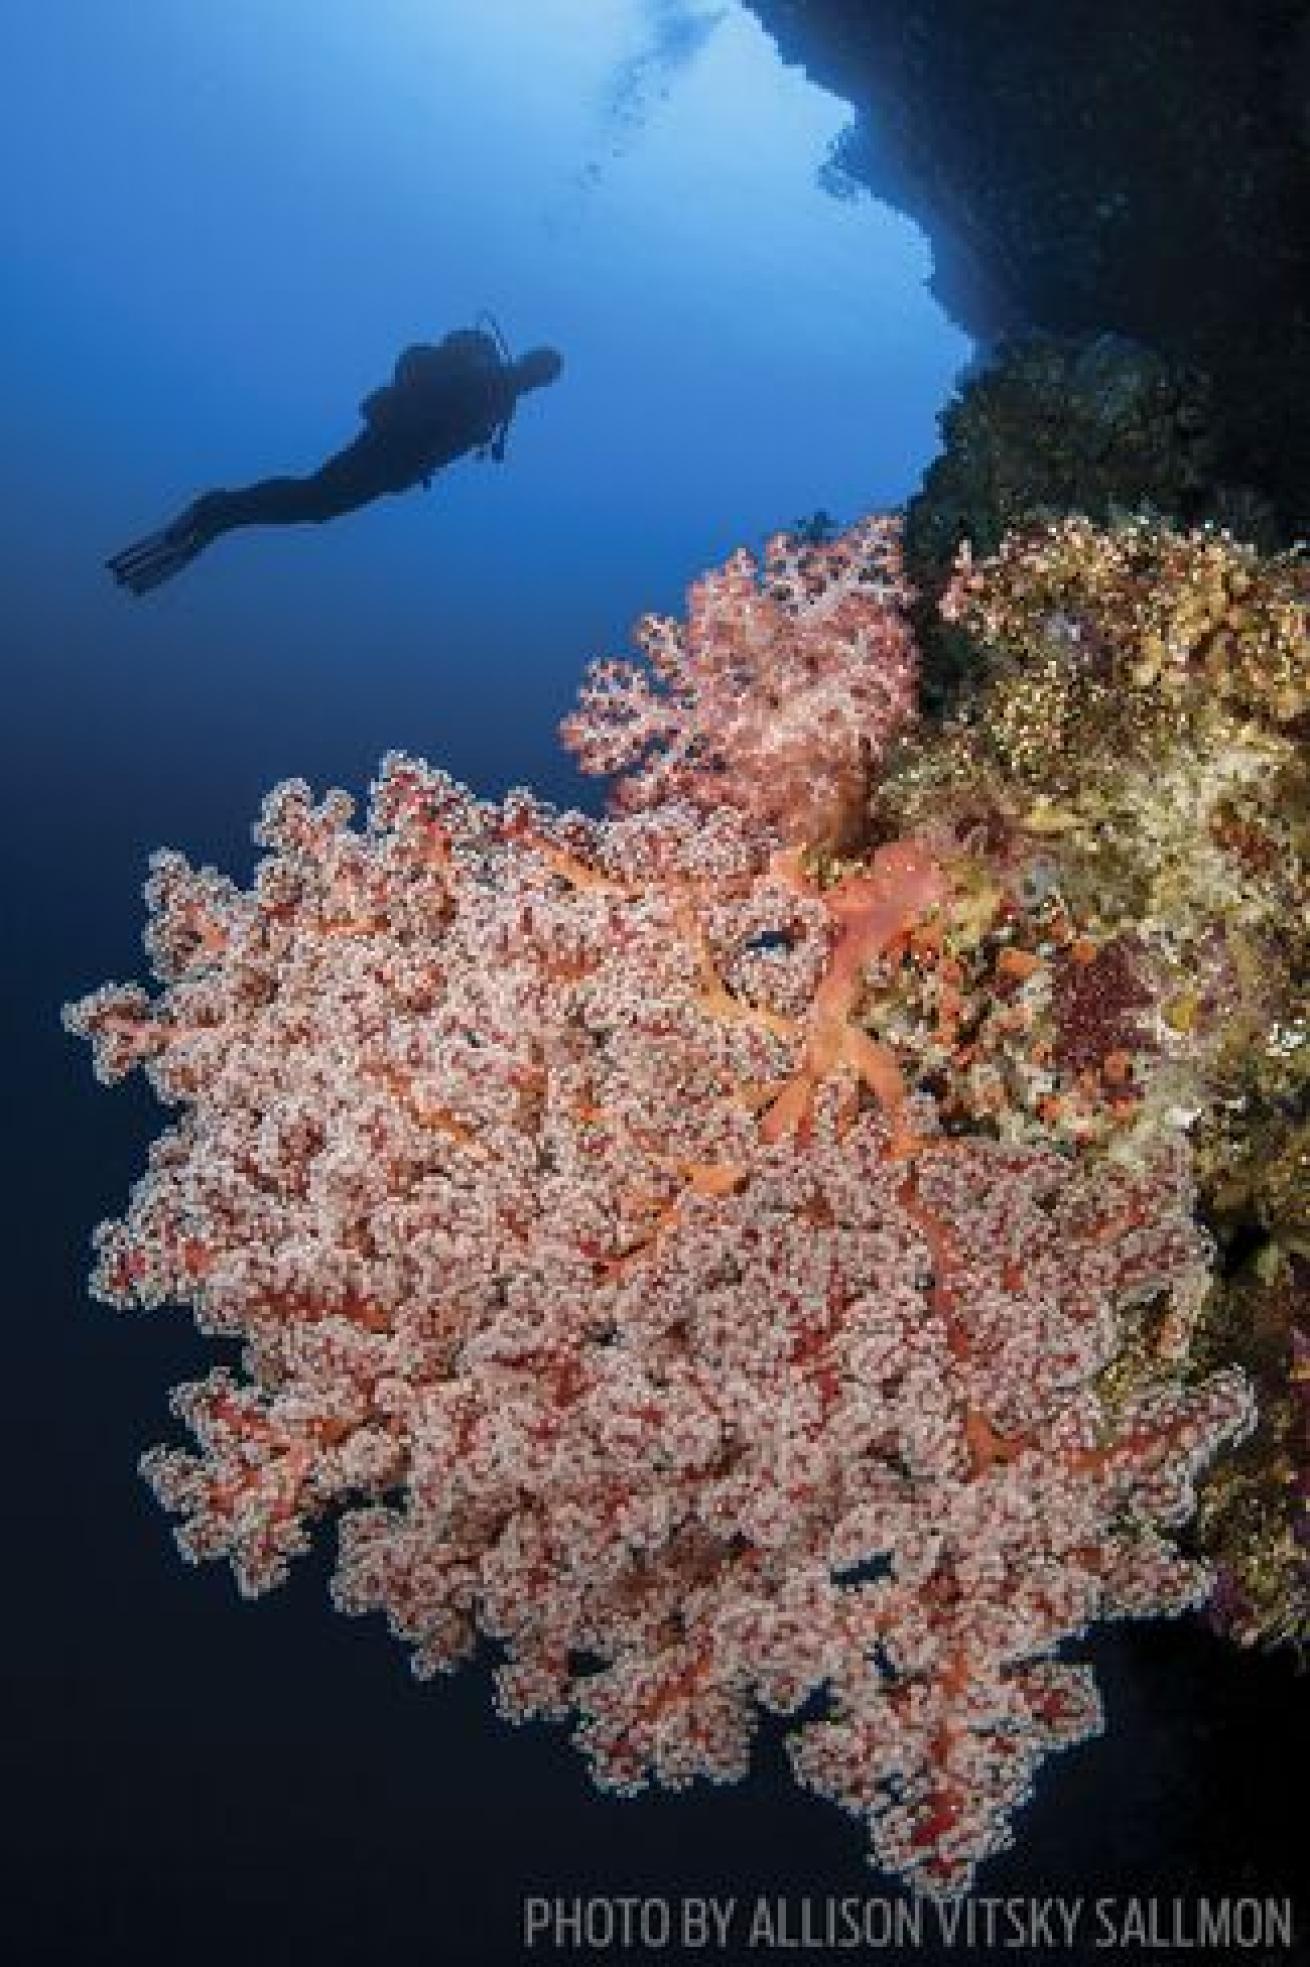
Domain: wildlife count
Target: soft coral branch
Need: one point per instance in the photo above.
(776, 695)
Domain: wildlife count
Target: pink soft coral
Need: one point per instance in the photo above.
(776, 696)
(606, 1282)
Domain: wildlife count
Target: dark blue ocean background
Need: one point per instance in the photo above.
(218, 225)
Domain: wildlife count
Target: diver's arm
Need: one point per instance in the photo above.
(501, 409)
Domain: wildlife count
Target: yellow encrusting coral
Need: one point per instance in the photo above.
(1134, 767)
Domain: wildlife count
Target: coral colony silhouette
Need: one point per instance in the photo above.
(740, 1250)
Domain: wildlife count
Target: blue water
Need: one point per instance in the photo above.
(224, 222)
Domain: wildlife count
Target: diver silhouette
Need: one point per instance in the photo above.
(443, 400)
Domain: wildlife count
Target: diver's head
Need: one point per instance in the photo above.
(537, 368)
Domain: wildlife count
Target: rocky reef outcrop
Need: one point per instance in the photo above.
(1099, 167)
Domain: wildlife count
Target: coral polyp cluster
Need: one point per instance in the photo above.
(775, 696)
(741, 1253)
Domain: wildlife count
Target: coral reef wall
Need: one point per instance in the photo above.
(1099, 166)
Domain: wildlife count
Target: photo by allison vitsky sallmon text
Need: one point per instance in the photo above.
(901, 1927)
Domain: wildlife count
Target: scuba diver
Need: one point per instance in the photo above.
(443, 400)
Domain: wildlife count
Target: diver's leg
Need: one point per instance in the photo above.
(351, 478)
(271, 502)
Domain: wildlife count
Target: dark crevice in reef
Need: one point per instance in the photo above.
(1100, 166)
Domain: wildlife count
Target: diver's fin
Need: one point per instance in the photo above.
(150, 563)
(140, 550)
(157, 557)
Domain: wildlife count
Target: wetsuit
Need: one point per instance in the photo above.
(443, 402)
